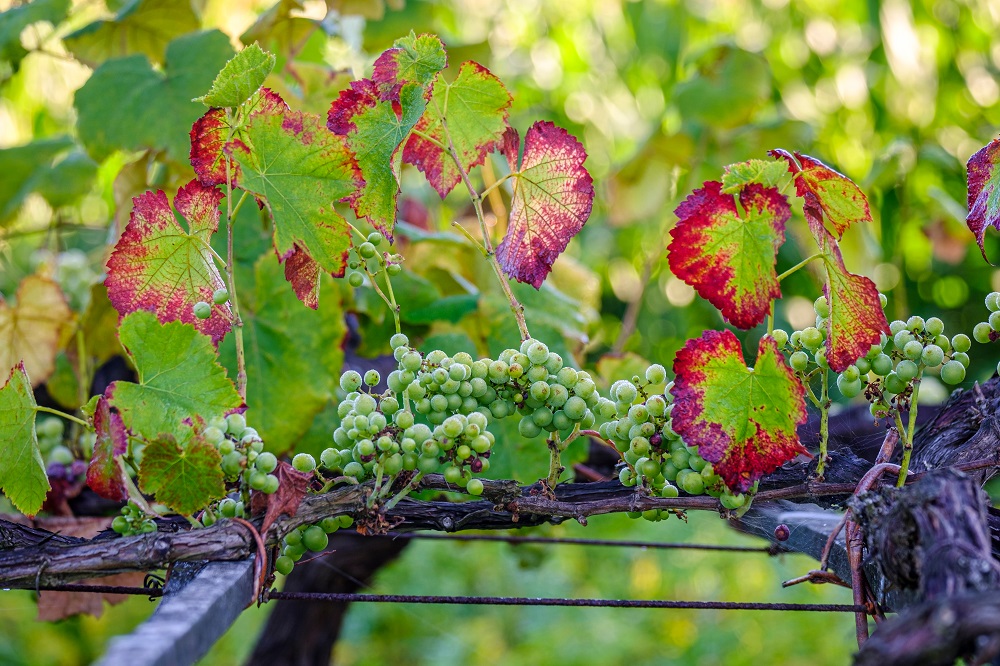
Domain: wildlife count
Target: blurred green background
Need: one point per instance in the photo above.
(663, 94)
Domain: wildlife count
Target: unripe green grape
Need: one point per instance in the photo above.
(227, 507)
(863, 365)
(364, 405)
(795, 339)
(372, 378)
(232, 464)
(330, 458)
(284, 565)
(821, 306)
(271, 484)
(258, 480)
(993, 301)
(981, 333)
(236, 424)
(554, 363)
(902, 338)
(913, 350)
(812, 337)
(393, 465)
(537, 353)
(376, 238)
(266, 462)
(995, 320)
(474, 487)
(303, 462)
(367, 250)
(627, 391)
(528, 428)
(916, 324)
(961, 343)
(315, 539)
(906, 370)
(453, 474)
(539, 391)
(932, 356)
(575, 408)
(220, 296)
(883, 300)
(894, 383)
(51, 428)
(961, 358)
(851, 373)
(354, 469)
(882, 365)
(639, 446)
(934, 326)
(649, 469)
(799, 361)
(355, 279)
(732, 502)
(542, 416)
(350, 381)
(952, 372)
(213, 435)
(120, 524)
(944, 342)
(638, 413)
(691, 482)
(780, 337)
(515, 370)
(656, 374)
(849, 388)
(147, 527)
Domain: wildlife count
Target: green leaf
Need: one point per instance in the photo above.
(22, 472)
(16, 19)
(240, 78)
(727, 88)
(183, 473)
(449, 308)
(25, 168)
(179, 377)
(474, 107)
(290, 351)
(126, 104)
(300, 169)
(140, 27)
(766, 172)
(743, 420)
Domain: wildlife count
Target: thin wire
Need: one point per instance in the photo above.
(768, 550)
(340, 597)
(104, 589)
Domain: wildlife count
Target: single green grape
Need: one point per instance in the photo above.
(303, 462)
(952, 372)
(821, 306)
(932, 356)
(995, 320)
(993, 301)
(220, 296)
(812, 337)
(656, 374)
(961, 343)
(934, 326)
(882, 365)
(350, 381)
(284, 565)
(981, 333)
(799, 361)
(202, 310)
(355, 278)
(906, 370)
(372, 378)
(916, 324)
(266, 462)
(849, 388)
(780, 337)
(315, 539)
(271, 484)
(474, 487)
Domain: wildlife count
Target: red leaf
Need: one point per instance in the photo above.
(984, 195)
(553, 196)
(292, 487)
(841, 200)
(743, 420)
(729, 255)
(159, 266)
(104, 476)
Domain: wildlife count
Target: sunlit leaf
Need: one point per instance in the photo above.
(984, 195)
(240, 78)
(414, 58)
(553, 196)
(766, 172)
(16, 19)
(728, 253)
(179, 377)
(104, 475)
(474, 108)
(54, 168)
(31, 329)
(140, 26)
(743, 420)
(22, 472)
(159, 266)
(183, 472)
(842, 202)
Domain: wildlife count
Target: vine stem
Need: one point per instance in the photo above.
(390, 300)
(500, 181)
(908, 435)
(241, 360)
(405, 491)
(824, 422)
(477, 203)
(133, 490)
(69, 417)
(799, 265)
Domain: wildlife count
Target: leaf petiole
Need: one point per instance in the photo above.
(68, 417)
(799, 265)
(500, 181)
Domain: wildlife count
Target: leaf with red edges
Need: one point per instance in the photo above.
(841, 200)
(728, 254)
(414, 58)
(474, 109)
(984, 195)
(292, 487)
(553, 196)
(104, 475)
(856, 320)
(158, 266)
(210, 132)
(300, 169)
(743, 420)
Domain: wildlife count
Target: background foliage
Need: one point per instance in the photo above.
(897, 95)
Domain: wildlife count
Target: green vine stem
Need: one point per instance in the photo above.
(555, 464)
(912, 426)
(390, 299)
(824, 422)
(241, 361)
(68, 417)
(799, 265)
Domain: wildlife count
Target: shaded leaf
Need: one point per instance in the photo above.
(31, 331)
(766, 172)
(140, 26)
(104, 475)
(728, 254)
(300, 169)
(743, 420)
(840, 199)
(23, 167)
(126, 104)
(240, 78)
(16, 19)
(292, 487)
(474, 107)
(553, 196)
(179, 377)
(159, 266)
(22, 472)
(184, 473)
(282, 28)
(727, 88)
(984, 195)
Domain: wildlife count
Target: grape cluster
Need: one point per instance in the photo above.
(435, 413)
(203, 310)
(366, 257)
(226, 508)
(989, 331)
(242, 449)
(308, 538)
(132, 521)
(50, 431)
(656, 458)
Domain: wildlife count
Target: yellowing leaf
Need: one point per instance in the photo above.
(31, 330)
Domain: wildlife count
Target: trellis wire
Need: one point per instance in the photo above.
(774, 549)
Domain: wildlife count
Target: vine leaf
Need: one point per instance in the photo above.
(766, 172)
(984, 195)
(31, 331)
(840, 199)
(179, 377)
(743, 420)
(22, 472)
(376, 115)
(856, 320)
(240, 78)
(210, 133)
(300, 169)
(474, 107)
(292, 487)
(728, 253)
(158, 266)
(104, 475)
(553, 197)
(14, 20)
(140, 26)
(184, 473)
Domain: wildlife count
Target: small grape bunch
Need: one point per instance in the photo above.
(50, 431)
(366, 257)
(242, 451)
(308, 538)
(132, 521)
(369, 442)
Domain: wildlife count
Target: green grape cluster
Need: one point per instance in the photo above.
(50, 431)
(132, 521)
(308, 538)
(656, 458)
(989, 331)
(366, 257)
(225, 508)
(242, 452)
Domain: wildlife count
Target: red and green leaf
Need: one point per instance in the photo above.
(727, 252)
(474, 110)
(984, 195)
(856, 320)
(766, 172)
(743, 420)
(300, 169)
(553, 197)
(22, 471)
(414, 58)
(158, 266)
(104, 475)
(841, 200)
(184, 473)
